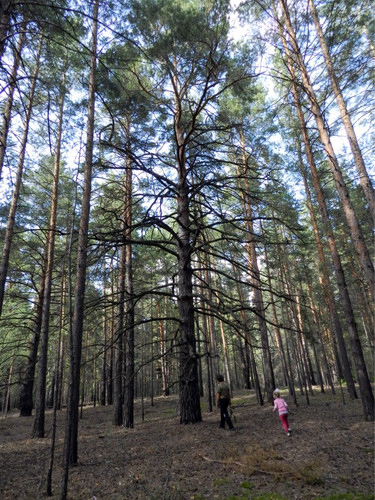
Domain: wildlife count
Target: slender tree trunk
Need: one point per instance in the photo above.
(326, 286)
(345, 116)
(254, 368)
(9, 103)
(129, 303)
(8, 386)
(367, 395)
(70, 455)
(205, 329)
(103, 381)
(339, 272)
(17, 185)
(278, 337)
(27, 388)
(350, 215)
(163, 353)
(40, 402)
(6, 9)
(111, 339)
(255, 276)
(118, 390)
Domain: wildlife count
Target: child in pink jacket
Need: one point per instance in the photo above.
(281, 406)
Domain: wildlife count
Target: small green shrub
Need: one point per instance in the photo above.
(247, 485)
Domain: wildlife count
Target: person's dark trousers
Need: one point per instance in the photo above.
(224, 415)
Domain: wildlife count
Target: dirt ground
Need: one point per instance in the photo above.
(330, 453)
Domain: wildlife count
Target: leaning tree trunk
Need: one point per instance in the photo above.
(342, 190)
(364, 178)
(360, 365)
(17, 185)
(7, 113)
(336, 260)
(70, 455)
(6, 9)
(325, 281)
(27, 388)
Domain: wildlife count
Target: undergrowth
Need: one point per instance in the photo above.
(256, 459)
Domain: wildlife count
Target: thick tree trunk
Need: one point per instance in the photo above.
(190, 411)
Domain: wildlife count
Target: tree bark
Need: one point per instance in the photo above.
(361, 370)
(269, 378)
(70, 455)
(190, 411)
(129, 302)
(40, 400)
(17, 185)
(6, 8)
(364, 178)
(342, 191)
(9, 103)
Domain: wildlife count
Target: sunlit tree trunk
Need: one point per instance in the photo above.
(342, 190)
(349, 315)
(367, 395)
(345, 116)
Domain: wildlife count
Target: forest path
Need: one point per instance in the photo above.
(331, 451)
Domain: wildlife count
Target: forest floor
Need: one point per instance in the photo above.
(330, 454)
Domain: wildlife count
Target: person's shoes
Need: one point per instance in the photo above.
(289, 434)
(231, 428)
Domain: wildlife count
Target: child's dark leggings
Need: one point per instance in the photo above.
(224, 415)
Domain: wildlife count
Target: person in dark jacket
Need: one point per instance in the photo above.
(223, 401)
